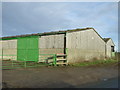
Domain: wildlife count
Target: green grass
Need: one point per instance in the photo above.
(94, 62)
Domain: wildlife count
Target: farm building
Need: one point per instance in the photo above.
(73, 45)
(109, 47)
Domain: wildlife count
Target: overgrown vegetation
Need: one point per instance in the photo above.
(94, 62)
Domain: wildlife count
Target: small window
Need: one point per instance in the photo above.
(112, 48)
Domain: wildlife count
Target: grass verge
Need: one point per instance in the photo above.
(94, 62)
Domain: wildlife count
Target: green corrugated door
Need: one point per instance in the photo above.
(27, 49)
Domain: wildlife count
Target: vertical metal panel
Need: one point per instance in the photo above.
(9, 48)
(51, 44)
(28, 49)
(1, 51)
(59, 41)
(51, 41)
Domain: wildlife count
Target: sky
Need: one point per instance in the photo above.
(37, 17)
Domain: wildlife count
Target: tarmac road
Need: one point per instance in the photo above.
(105, 83)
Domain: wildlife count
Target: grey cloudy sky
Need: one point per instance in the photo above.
(36, 17)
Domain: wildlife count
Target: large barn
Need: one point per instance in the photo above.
(74, 45)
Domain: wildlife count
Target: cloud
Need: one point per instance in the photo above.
(35, 17)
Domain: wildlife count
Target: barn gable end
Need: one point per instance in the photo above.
(84, 46)
(110, 48)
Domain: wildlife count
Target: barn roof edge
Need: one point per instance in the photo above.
(45, 33)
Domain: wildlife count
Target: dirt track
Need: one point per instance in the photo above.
(57, 77)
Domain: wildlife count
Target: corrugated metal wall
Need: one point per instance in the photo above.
(51, 44)
(84, 46)
(28, 49)
(1, 49)
(81, 46)
(9, 48)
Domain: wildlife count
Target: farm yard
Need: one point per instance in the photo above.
(59, 44)
(71, 76)
(70, 58)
